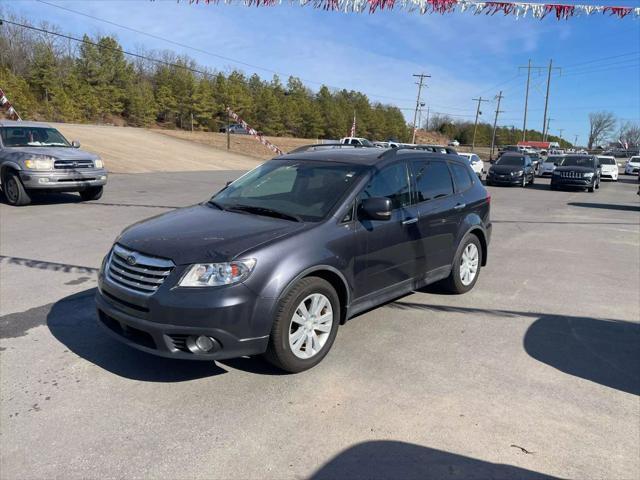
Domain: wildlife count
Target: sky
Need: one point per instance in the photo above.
(467, 56)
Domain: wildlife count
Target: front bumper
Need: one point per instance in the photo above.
(64, 180)
(504, 179)
(236, 319)
(611, 175)
(631, 170)
(571, 182)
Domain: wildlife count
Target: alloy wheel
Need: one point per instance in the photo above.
(469, 264)
(310, 326)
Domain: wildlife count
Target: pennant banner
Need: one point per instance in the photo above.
(254, 133)
(5, 105)
(517, 9)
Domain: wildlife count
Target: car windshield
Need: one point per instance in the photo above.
(606, 161)
(635, 160)
(32, 137)
(510, 160)
(578, 161)
(294, 190)
(557, 160)
(366, 142)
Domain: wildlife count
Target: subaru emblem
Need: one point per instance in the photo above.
(131, 260)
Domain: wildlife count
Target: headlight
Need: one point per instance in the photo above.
(587, 175)
(217, 274)
(517, 174)
(98, 163)
(39, 163)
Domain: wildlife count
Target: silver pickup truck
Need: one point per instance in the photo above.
(37, 157)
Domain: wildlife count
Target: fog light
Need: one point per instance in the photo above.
(204, 343)
(103, 177)
(43, 180)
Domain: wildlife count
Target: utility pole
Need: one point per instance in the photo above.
(575, 140)
(561, 130)
(526, 102)
(421, 76)
(420, 115)
(495, 124)
(475, 127)
(546, 98)
(544, 136)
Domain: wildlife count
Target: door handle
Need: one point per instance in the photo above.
(460, 206)
(409, 221)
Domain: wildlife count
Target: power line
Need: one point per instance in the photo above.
(601, 59)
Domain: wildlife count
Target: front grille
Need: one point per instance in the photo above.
(571, 174)
(136, 271)
(72, 164)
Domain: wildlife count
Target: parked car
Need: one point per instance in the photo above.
(35, 157)
(235, 128)
(476, 163)
(608, 167)
(550, 164)
(511, 169)
(536, 161)
(577, 171)
(632, 166)
(275, 261)
(363, 142)
(454, 143)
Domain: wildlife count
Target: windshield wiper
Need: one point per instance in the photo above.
(215, 204)
(265, 211)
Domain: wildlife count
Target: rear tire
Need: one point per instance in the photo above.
(14, 190)
(287, 331)
(91, 193)
(458, 282)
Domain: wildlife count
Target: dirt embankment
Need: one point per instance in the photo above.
(139, 150)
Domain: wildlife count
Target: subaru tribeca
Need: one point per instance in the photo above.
(277, 260)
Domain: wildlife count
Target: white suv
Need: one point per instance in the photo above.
(476, 163)
(633, 165)
(608, 167)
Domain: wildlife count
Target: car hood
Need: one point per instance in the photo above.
(609, 167)
(59, 153)
(204, 234)
(634, 163)
(504, 169)
(575, 169)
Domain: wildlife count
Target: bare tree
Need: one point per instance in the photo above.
(630, 134)
(601, 126)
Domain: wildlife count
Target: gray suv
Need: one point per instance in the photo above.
(37, 157)
(278, 259)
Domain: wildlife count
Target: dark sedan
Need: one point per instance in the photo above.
(512, 169)
(577, 171)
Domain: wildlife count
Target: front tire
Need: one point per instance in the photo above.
(91, 193)
(466, 266)
(14, 190)
(305, 325)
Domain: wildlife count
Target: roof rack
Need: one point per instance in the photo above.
(428, 148)
(314, 146)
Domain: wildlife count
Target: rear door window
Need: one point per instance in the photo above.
(433, 179)
(461, 177)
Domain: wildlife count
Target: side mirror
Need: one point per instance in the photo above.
(75, 144)
(377, 208)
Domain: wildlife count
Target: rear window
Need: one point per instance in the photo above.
(461, 177)
(433, 180)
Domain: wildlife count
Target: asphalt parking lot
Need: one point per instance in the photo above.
(533, 374)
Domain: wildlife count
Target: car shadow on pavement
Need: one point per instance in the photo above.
(73, 322)
(606, 206)
(603, 351)
(392, 459)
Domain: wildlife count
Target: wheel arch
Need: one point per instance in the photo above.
(479, 232)
(334, 277)
(8, 167)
